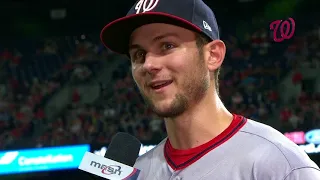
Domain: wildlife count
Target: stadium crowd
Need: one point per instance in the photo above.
(248, 86)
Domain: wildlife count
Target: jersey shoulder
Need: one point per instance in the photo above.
(276, 147)
(144, 161)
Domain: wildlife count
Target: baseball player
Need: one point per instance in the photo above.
(176, 54)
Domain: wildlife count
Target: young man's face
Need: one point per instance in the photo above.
(168, 68)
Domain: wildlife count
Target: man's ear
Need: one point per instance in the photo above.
(214, 54)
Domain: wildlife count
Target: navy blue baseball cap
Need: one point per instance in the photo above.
(194, 15)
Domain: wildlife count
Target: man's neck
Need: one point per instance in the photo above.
(199, 124)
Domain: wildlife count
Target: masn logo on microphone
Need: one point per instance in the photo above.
(108, 170)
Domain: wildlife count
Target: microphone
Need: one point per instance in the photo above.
(117, 163)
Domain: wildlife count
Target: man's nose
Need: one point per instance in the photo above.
(152, 64)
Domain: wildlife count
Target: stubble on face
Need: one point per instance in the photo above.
(193, 88)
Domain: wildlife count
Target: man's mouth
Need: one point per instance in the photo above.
(160, 84)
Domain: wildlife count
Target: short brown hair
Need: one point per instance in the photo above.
(201, 41)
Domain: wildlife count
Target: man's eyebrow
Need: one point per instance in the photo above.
(155, 39)
(134, 46)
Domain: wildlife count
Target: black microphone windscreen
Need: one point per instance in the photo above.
(123, 148)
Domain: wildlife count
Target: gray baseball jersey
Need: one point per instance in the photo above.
(246, 150)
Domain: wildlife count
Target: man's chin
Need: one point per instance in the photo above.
(165, 114)
(169, 108)
(168, 112)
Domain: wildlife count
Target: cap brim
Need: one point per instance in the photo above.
(116, 35)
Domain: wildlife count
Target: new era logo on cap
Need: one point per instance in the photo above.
(206, 26)
(190, 14)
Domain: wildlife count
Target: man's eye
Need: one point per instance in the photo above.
(167, 46)
(138, 55)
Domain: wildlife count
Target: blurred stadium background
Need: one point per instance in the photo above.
(59, 87)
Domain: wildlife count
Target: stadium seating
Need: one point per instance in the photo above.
(253, 73)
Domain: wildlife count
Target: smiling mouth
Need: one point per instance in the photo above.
(158, 86)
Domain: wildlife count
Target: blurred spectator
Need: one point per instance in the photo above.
(237, 98)
(295, 121)
(297, 78)
(80, 73)
(285, 115)
(75, 97)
